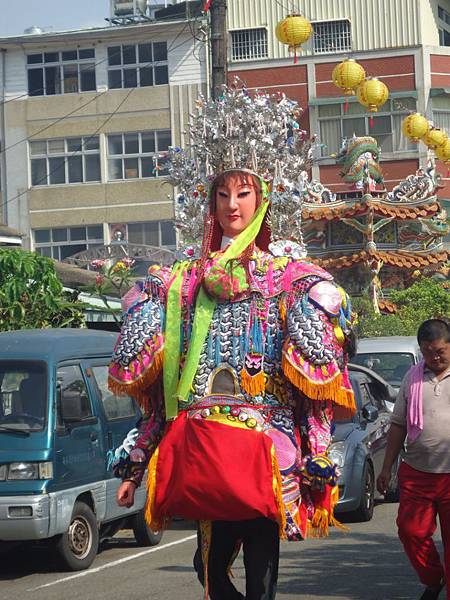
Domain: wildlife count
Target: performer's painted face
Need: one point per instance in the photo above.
(236, 202)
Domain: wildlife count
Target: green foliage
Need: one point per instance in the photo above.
(32, 296)
(425, 299)
(116, 279)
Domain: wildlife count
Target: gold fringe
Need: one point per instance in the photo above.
(331, 390)
(277, 490)
(205, 545)
(319, 525)
(253, 385)
(154, 524)
(138, 388)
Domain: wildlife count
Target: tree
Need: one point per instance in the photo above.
(32, 296)
(425, 299)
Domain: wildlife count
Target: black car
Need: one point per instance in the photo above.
(359, 444)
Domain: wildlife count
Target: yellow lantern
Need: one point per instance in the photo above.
(443, 152)
(348, 75)
(415, 126)
(294, 31)
(372, 93)
(434, 138)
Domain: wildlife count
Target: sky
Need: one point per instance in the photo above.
(51, 15)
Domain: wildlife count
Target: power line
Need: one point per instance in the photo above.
(96, 132)
(66, 158)
(170, 48)
(53, 122)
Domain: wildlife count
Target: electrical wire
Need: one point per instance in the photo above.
(87, 138)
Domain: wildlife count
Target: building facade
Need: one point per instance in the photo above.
(84, 116)
(85, 113)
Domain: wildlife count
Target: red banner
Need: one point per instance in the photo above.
(207, 5)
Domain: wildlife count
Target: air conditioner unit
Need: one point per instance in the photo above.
(124, 8)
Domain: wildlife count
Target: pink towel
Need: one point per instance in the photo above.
(415, 401)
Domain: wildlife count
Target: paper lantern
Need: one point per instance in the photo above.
(415, 126)
(434, 138)
(443, 152)
(372, 93)
(348, 75)
(294, 31)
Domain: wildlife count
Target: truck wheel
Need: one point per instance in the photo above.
(78, 546)
(142, 532)
(364, 512)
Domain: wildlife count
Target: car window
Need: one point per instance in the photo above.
(74, 403)
(392, 366)
(23, 394)
(115, 407)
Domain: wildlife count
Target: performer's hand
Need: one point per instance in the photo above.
(125, 494)
(383, 481)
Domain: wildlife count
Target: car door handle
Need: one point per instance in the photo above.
(93, 436)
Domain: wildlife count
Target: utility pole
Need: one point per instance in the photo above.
(219, 54)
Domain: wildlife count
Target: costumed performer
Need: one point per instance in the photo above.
(237, 352)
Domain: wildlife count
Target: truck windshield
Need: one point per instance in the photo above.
(23, 395)
(392, 366)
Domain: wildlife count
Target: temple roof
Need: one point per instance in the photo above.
(406, 260)
(383, 208)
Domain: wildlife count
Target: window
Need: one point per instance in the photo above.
(152, 233)
(65, 160)
(249, 44)
(73, 403)
(444, 15)
(441, 111)
(336, 124)
(62, 242)
(115, 407)
(332, 36)
(135, 155)
(65, 72)
(137, 65)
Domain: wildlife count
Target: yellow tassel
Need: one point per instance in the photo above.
(253, 385)
(333, 501)
(330, 390)
(277, 490)
(137, 389)
(154, 524)
(205, 541)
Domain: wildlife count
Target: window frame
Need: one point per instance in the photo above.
(55, 246)
(138, 156)
(64, 156)
(142, 224)
(343, 116)
(345, 35)
(59, 65)
(138, 65)
(262, 44)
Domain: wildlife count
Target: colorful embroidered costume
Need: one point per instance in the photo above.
(271, 368)
(238, 352)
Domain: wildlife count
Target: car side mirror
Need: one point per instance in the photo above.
(370, 413)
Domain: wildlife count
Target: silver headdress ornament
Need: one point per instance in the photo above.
(258, 132)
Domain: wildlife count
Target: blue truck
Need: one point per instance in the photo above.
(60, 428)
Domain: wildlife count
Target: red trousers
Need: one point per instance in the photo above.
(424, 496)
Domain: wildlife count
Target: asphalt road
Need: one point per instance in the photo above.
(366, 563)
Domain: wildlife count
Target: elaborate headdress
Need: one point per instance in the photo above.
(258, 133)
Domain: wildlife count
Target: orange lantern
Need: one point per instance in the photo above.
(294, 31)
(415, 126)
(372, 93)
(434, 138)
(348, 75)
(443, 152)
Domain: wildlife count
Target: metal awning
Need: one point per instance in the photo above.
(339, 99)
(439, 92)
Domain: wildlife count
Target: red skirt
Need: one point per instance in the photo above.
(205, 470)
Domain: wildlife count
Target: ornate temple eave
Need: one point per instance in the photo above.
(383, 208)
(401, 259)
